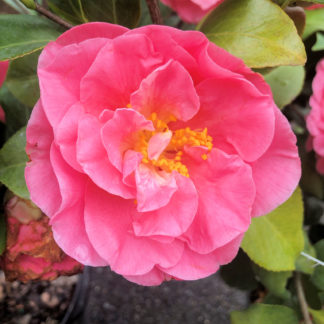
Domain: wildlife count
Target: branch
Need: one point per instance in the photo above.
(302, 299)
(154, 11)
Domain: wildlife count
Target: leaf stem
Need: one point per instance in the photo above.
(52, 16)
(285, 4)
(301, 298)
(154, 11)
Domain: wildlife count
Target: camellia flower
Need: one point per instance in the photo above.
(3, 72)
(151, 149)
(315, 118)
(31, 252)
(192, 11)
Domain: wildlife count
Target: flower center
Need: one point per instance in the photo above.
(171, 158)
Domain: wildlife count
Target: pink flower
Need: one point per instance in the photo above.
(192, 11)
(31, 252)
(314, 6)
(3, 72)
(315, 120)
(151, 149)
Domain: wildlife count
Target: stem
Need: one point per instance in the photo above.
(302, 299)
(52, 16)
(285, 4)
(154, 11)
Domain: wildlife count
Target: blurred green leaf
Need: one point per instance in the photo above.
(311, 293)
(13, 160)
(318, 316)
(318, 274)
(265, 314)
(122, 12)
(258, 31)
(314, 22)
(286, 83)
(22, 80)
(24, 34)
(239, 272)
(319, 45)
(2, 233)
(17, 114)
(275, 282)
(275, 241)
(302, 263)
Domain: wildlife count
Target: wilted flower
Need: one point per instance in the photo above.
(31, 252)
(192, 11)
(151, 149)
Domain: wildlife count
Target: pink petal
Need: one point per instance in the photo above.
(169, 90)
(40, 178)
(153, 278)
(60, 77)
(131, 161)
(3, 71)
(69, 233)
(115, 242)
(93, 158)
(173, 219)
(244, 120)
(226, 193)
(157, 144)
(193, 266)
(119, 134)
(154, 189)
(117, 73)
(281, 165)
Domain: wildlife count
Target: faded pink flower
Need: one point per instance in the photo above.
(192, 11)
(31, 252)
(152, 148)
(315, 120)
(3, 72)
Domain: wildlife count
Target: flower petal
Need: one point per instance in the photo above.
(153, 278)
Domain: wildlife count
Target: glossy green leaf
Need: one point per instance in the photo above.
(319, 45)
(265, 314)
(258, 31)
(314, 22)
(275, 241)
(317, 315)
(275, 282)
(302, 263)
(13, 160)
(122, 12)
(286, 83)
(239, 273)
(2, 233)
(17, 114)
(22, 80)
(318, 274)
(24, 34)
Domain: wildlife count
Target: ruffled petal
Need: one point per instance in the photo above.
(93, 158)
(169, 90)
(226, 193)
(276, 174)
(173, 219)
(153, 278)
(40, 178)
(116, 243)
(117, 73)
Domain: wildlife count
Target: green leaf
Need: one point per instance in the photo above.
(314, 22)
(122, 12)
(319, 45)
(22, 80)
(265, 314)
(275, 241)
(13, 160)
(24, 34)
(318, 274)
(239, 273)
(286, 83)
(317, 315)
(3, 231)
(302, 263)
(275, 282)
(17, 114)
(258, 31)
